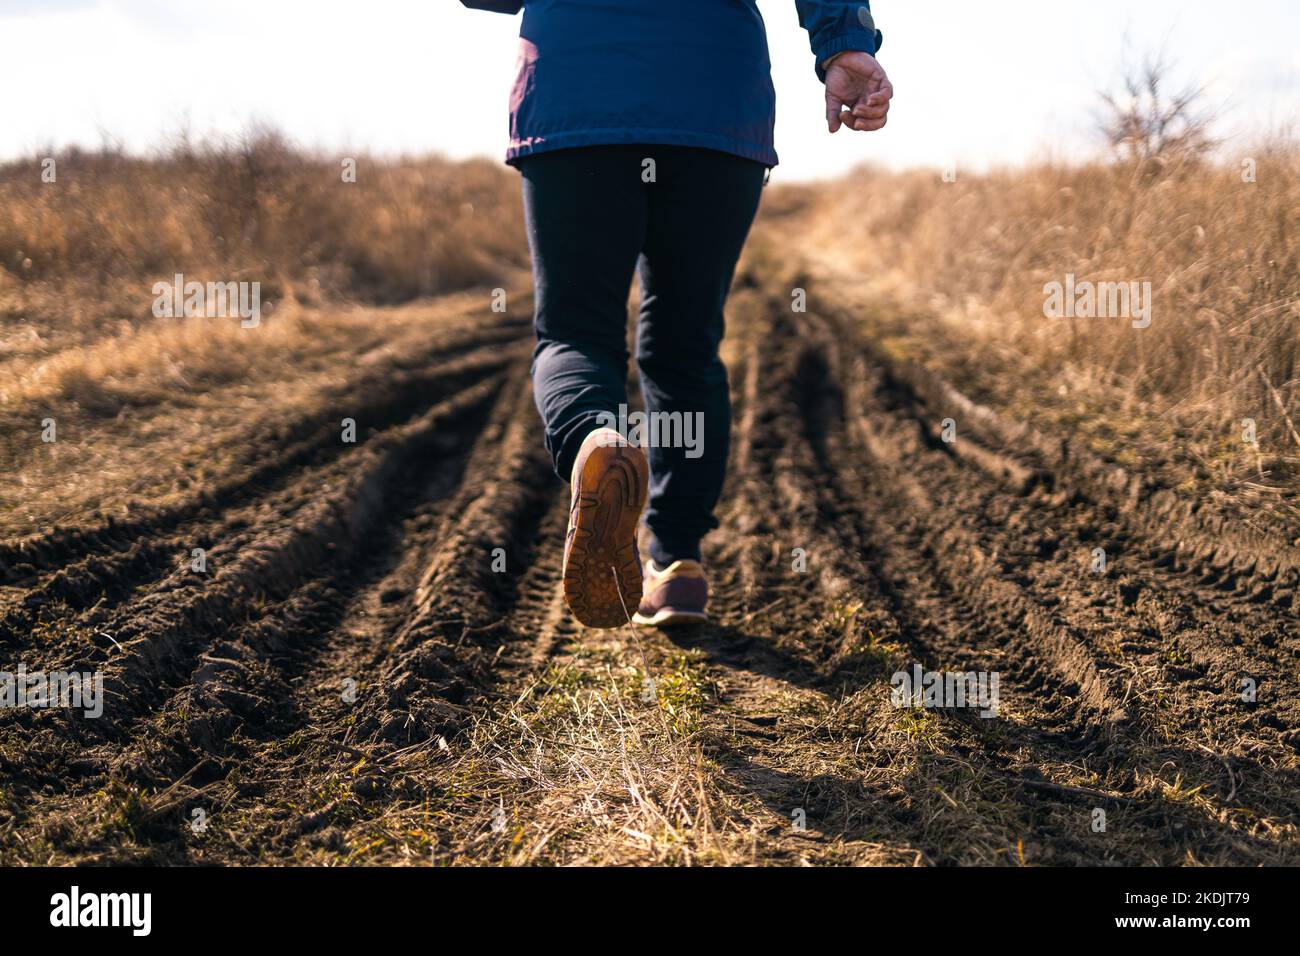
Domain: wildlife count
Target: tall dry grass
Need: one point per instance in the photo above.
(260, 209)
(79, 258)
(1219, 251)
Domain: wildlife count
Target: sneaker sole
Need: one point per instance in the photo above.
(609, 497)
(667, 617)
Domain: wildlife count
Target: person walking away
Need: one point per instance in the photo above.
(643, 134)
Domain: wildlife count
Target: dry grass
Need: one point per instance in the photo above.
(260, 209)
(960, 267)
(591, 764)
(79, 256)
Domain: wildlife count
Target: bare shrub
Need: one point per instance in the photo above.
(1148, 123)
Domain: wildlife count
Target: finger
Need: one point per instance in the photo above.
(867, 111)
(833, 106)
(864, 123)
(884, 92)
(868, 125)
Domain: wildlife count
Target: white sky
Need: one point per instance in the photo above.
(976, 83)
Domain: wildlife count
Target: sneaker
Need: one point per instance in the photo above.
(675, 595)
(602, 569)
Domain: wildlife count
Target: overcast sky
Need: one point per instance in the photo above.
(976, 83)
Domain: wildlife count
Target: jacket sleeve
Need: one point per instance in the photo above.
(837, 25)
(496, 6)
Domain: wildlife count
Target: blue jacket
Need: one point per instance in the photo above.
(677, 72)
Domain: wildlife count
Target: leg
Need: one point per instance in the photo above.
(585, 210)
(700, 212)
(586, 213)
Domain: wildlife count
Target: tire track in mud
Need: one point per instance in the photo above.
(191, 659)
(173, 533)
(421, 645)
(366, 605)
(975, 577)
(417, 620)
(274, 449)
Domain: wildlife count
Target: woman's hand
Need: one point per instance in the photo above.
(857, 92)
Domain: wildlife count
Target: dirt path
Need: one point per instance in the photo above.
(376, 664)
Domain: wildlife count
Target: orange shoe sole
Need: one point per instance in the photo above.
(600, 555)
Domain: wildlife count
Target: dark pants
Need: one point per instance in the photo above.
(593, 220)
